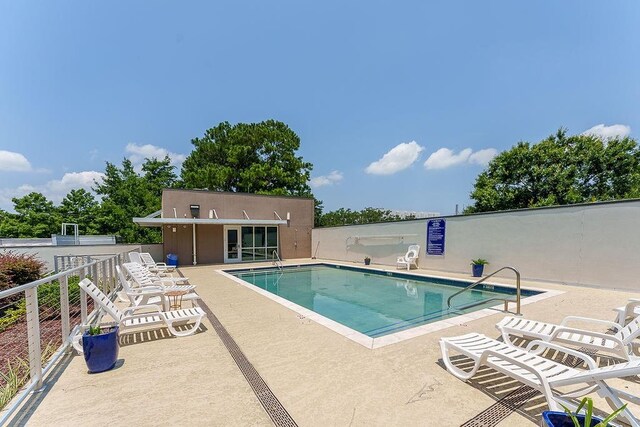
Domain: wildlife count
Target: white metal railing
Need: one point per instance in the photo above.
(51, 320)
(276, 260)
(506, 300)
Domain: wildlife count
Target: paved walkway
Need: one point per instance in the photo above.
(321, 378)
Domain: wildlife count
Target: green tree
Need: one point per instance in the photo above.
(36, 216)
(8, 224)
(347, 216)
(250, 158)
(317, 211)
(127, 194)
(80, 207)
(559, 170)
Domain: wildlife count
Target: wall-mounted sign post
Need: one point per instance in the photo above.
(435, 236)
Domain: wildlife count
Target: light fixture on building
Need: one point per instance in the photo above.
(195, 211)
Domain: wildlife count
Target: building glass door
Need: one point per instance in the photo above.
(232, 244)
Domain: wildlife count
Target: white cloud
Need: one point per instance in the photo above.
(137, 154)
(54, 190)
(483, 157)
(398, 158)
(333, 178)
(14, 162)
(608, 132)
(444, 157)
(57, 189)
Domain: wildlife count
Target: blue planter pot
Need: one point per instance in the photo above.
(561, 419)
(101, 351)
(477, 269)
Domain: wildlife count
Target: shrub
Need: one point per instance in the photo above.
(20, 268)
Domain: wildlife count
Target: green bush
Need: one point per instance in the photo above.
(18, 269)
(49, 293)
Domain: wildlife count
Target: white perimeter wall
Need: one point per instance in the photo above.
(46, 253)
(596, 244)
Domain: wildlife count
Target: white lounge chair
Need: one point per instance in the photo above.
(160, 267)
(135, 257)
(410, 258)
(619, 344)
(141, 279)
(129, 319)
(145, 295)
(628, 312)
(540, 373)
(166, 278)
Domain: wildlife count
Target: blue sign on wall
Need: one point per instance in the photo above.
(435, 236)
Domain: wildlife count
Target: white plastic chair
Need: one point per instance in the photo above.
(410, 258)
(141, 279)
(620, 344)
(152, 294)
(543, 374)
(628, 312)
(160, 267)
(157, 276)
(129, 319)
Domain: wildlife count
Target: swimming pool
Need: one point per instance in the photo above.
(372, 302)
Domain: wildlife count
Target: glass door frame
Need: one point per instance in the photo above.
(238, 230)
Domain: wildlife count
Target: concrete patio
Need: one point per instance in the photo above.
(319, 376)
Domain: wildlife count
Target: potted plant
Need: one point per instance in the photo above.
(367, 260)
(100, 348)
(574, 419)
(477, 266)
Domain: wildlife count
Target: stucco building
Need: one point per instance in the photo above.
(205, 227)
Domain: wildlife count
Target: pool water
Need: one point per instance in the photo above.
(375, 303)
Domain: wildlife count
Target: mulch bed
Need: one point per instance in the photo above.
(14, 341)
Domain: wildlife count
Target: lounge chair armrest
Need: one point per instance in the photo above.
(147, 290)
(552, 346)
(608, 323)
(163, 265)
(163, 281)
(631, 305)
(131, 310)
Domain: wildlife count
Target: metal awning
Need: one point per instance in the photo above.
(159, 222)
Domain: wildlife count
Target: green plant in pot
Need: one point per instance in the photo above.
(477, 266)
(99, 347)
(575, 419)
(367, 260)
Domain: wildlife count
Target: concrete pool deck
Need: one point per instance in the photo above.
(321, 377)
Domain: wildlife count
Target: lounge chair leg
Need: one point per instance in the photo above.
(187, 332)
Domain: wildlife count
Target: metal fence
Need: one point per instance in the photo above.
(38, 321)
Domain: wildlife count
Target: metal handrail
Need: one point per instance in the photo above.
(276, 259)
(506, 301)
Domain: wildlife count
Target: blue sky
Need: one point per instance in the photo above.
(437, 87)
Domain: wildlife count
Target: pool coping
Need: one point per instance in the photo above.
(374, 343)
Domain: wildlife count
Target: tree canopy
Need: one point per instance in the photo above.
(250, 158)
(127, 194)
(246, 157)
(35, 216)
(80, 207)
(559, 170)
(344, 216)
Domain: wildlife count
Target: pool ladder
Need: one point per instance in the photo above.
(276, 260)
(506, 300)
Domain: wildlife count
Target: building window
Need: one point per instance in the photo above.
(258, 243)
